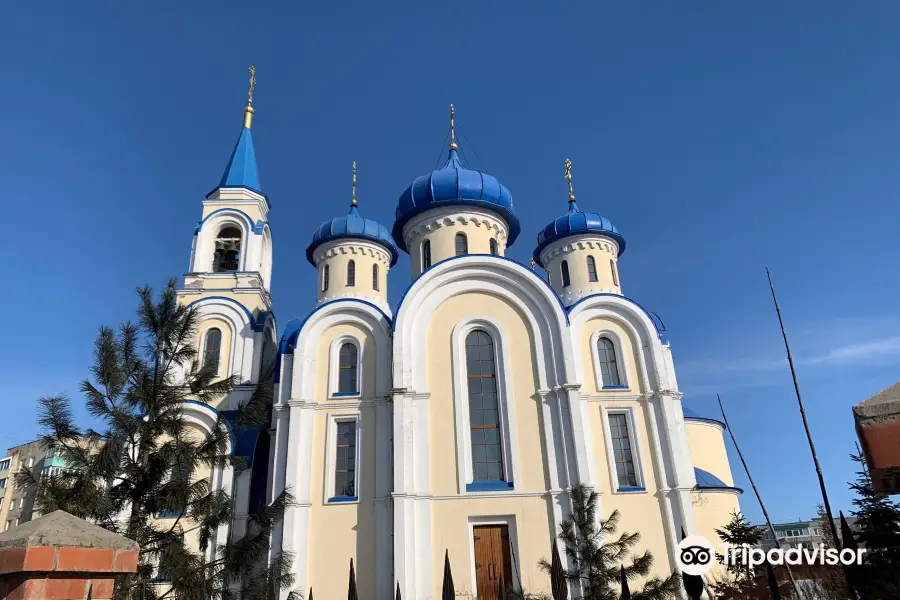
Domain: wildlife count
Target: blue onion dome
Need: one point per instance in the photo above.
(454, 185)
(575, 222)
(352, 226)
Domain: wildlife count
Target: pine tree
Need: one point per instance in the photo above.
(145, 458)
(740, 580)
(834, 582)
(878, 531)
(595, 559)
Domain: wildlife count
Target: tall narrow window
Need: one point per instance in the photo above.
(345, 460)
(462, 244)
(609, 368)
(375, 277)
(426, 254)
(325, 279)
(592, 269)
(612, 267)
(494, 247)
(621, 443)
(484, 410)
(211, 350)
(351, 273)
(564, 270)
(347, 369)
(227, 254)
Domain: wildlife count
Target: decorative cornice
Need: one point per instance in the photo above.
(331, 404)
(663, 394)
(587, 242)
(353, 246)
(433, 220)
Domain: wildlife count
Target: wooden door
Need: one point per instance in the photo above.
(491, 559)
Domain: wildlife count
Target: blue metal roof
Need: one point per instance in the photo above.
(708, 481)
(693, 416)
(576, 222)
(241, 170)
(352, 226)
(453, 185)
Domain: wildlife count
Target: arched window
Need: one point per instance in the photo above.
(494, 247)
(426, 254)
(348, 369)
(375, 277)
(462, 244)
(211, 350)
(484, 410)
(564, 269)
(592, 269)
(609, 368)
(612, 267)
(351, 273)
(325, 278)
(227, 255)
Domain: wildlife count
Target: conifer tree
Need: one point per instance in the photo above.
(740, 580)
(834, 582)
(144, 459)
(596, 559)
(878, 531)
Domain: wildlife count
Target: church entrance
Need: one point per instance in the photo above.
(491, 560)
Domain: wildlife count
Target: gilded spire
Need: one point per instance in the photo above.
(248, 111)
(453, 145)
(569, 179)
(353, 198)
(533, 263)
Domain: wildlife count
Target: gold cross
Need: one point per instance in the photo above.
(252, 85)
(353, 200)
(452, 131)
(569, 179)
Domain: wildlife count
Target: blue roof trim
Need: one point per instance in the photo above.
(576, 223)
(205, 405)
(465, 256)
(243, 438)
(288, 341)
(256, 228)
(257, 323)
(454, 185)
(660, 333)
(690, 415)
(706, 481)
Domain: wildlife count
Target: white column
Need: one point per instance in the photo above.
(383, 505)
(297, 479)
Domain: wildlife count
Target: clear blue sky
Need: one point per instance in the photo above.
(721, 137)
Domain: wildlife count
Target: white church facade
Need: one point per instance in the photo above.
(458, 420)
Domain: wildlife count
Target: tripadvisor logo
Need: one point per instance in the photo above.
(696, 555)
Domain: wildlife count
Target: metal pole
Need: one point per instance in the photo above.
(758, 497)
(809, 438)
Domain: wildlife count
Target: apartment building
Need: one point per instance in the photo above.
(799, 534)
(17, 502)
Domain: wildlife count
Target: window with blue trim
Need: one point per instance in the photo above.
(622, 453)
(592, 268)
(484, 409)
(345, 460)
(351, 273)
(462, 244)
(426, 254)
(609, 367)
(348, 369)
(212, 349)
(564, 271)
(227, 254)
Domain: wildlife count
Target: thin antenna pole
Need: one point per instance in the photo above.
(812, 445)
(756, 491)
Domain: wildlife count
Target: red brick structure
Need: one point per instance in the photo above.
(878, 427)
(61, 557)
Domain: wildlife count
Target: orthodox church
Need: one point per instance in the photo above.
(458, 420)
